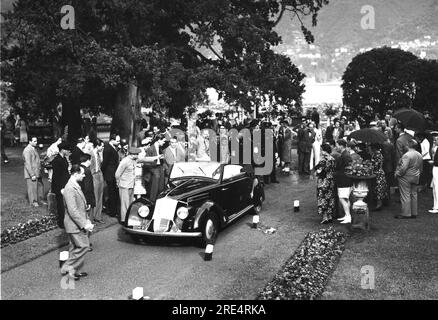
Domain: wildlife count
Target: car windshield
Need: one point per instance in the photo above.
(196, 169)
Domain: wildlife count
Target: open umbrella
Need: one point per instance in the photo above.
(411, 119)
(369, 135)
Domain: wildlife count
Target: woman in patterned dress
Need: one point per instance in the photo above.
(325, 172)
(380, 188)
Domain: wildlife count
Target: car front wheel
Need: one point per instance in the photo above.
(210, 229)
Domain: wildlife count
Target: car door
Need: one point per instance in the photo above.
(233, 189)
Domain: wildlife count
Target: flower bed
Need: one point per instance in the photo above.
(305, 275)
(29, 229)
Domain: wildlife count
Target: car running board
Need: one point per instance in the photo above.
(241, 212)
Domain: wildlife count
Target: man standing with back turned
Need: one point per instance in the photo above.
(408, 173)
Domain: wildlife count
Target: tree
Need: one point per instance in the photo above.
(421, 78)
(372, 81)
(330, 110)
(162, 54)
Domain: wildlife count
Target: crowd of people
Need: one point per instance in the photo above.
(110, 175)
(405, 161)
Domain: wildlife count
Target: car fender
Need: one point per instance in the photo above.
(142, 200)
(206, 207)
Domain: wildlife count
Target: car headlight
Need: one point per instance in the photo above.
(182, 213)
(143, 211)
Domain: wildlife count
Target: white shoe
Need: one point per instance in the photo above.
(433, 211)
(348, 220)
(340, 219)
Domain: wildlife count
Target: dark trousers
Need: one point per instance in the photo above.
(426, 175)
(156, 183)
(389, 183)
(113, 197)
(60, 209)
(304, 162)
(4, 156)
(272, 176)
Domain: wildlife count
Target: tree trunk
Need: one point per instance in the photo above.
(125, 113)
(71, 117)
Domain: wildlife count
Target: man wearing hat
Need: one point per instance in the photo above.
(125, 178)
(60, 178)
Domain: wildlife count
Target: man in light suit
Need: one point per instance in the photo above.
(408, 173)
(125, 177)
(402, 142)
(32, 172)
(76, 224)
(173, 153)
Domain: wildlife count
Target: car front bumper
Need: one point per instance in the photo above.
(162, 234)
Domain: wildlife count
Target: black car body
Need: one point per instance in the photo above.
(200, 199)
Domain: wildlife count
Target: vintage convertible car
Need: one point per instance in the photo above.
(200, 199)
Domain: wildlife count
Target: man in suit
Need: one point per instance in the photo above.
(60, 178)
(343, 183)
(109, 166)
(86, 184)
(389, 165)
(76, 224)
(4, 158)
(285, 145)
(315, 116)
(77, 151)
(98, 182)
(335, 132)
(173, 153)
(32, 172)
(153, 160)
(125, 178)
(272, 177)
(402, 142)
(408, 173)
(306, 137)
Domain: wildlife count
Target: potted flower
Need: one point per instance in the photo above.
(360, 172)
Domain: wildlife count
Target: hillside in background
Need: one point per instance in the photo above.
(407, 24)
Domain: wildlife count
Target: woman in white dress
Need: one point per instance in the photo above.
(23, 130)
(88, 146)
(315, 155)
